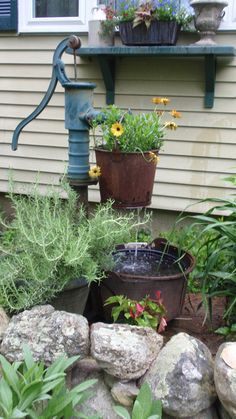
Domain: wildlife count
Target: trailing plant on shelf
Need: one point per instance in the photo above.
(151, 10)
(28, 389)
(50, 242)
(147, 312)
(109, 24)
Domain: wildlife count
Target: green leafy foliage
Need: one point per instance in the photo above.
(144, 407)
(150, 10)
(185, 238)
(108, 25)
(30, 390)
(135, 132)
(214, 238)
(146, 312)
(229, 332)
(50, 242)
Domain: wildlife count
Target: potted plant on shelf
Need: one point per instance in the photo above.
(102, 27)
(153, 22)
(127, 153)
(50, 247)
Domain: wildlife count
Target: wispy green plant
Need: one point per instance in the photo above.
(215, 236)
(30, 390)
(52, 242)
(144, 406)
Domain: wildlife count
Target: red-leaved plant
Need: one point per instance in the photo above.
(147, 312)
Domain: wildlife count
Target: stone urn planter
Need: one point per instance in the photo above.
(208, 15)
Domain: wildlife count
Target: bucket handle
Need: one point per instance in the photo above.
(157, 243)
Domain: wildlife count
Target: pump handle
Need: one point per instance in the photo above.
(58, 74)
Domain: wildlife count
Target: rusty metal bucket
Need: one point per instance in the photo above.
(127, 178)
(172, 287)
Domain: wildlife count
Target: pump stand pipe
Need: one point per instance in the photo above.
(78, 115)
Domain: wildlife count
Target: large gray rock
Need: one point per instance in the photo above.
(210, 413)
(100, 401)
(125, 393)
(182, 377)
(222, 414)
(225, 376)
(4, 322)
(48, 333)
(124, 351)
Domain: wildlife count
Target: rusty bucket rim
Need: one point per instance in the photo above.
(101, 148)
(142, 278)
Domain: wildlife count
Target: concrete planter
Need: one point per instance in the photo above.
(208, 15)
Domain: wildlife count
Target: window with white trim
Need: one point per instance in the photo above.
(229, 20)
(54, 15)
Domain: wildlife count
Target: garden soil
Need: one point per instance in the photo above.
(192, 321)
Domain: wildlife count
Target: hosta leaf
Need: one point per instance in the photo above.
(51, 385)
(157, 408)
(223, 331)
(10, 374)
(31, 394)
(84, 386)
(145, 399)
(57, 404)
(17, 414)
(5, 395)
(28, 358)
(122, 412)
(138, 411)
(59, 365)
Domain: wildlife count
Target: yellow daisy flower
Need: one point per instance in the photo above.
(94, 172)
(156, 100)
(175, 114)
(117, 129)
(162, 100)
(171, 125)
(165, 100)
(153, 157)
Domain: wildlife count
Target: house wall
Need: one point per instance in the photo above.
(194, 159)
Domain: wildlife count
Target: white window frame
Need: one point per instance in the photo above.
(229, 20)
(30, 24)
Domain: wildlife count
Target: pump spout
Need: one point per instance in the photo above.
(58, 74)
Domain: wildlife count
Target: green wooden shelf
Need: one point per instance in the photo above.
(107, 61)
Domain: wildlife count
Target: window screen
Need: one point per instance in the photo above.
(56, 8)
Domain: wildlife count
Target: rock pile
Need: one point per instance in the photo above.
(121, 357)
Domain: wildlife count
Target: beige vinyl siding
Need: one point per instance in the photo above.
(194, 159)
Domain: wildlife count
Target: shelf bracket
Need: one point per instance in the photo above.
(107, 66)
(210, 76)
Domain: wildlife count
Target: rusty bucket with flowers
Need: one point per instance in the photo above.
(127, 153)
